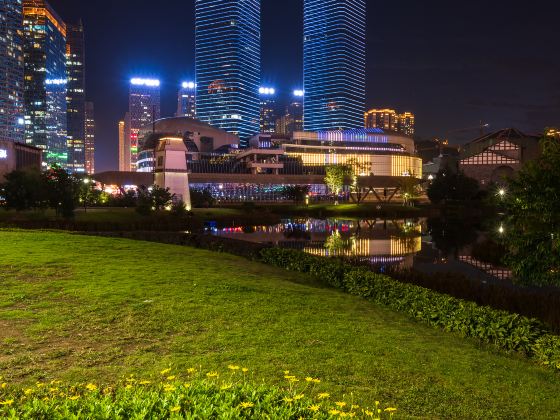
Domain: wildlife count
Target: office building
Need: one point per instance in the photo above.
(144, 109)
(76, 97)
(391, 120)
(334, 60)
(11, 70)
(268, 110)
(228, 63)
(292, 120)
(16, 156)
(186, 106)
(45, 81)
(122, 149)
(89, 138)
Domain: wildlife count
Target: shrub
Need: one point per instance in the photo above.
(508, 331)
(200, 395)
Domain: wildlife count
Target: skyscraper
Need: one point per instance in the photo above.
(334, 60)
(45, 81)
(228, 64)
(386, 119)
(268, 110)
(76, 97)
(144, 109)
(11, 70)
(406, 123)
(89, 138)
(292, 120)
(186, 106)
(122, 148)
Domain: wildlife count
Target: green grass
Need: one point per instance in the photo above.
(82, 308)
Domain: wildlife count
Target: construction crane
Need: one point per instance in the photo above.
(480, 127)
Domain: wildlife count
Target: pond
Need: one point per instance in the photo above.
(426, 245)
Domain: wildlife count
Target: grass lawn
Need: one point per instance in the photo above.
(83, 308)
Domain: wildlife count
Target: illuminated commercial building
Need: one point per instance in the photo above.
(45, 81)
(186, 106)
(90, 138)
(15, 156)
(76, 97)
(11, 71)
(406, 124)
(144, 109)
(268, 110)
(228, 63)
(334, 60)
(292, 121)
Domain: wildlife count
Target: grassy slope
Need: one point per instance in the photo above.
(85, 308)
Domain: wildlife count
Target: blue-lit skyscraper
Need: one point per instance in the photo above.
(228, 65)
(45, 81)
(186, 106)
(11, 70)
(334, 57)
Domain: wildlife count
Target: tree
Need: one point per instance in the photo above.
(336, 176)
(23, 190)
(154, 198)
(63, 190)
(202, 198)
(531, 232)
(410, 189)
(449, 185)
(296, 193)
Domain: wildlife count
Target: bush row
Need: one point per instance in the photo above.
(510, 332)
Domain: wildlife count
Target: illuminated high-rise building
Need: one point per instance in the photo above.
(76, 97)
(334, 64)
(406, 124)
(386, 119)
(268, 110)
(228, 65)
(186, 106)
(389, 119)
(89, 138)
(11, 70)
(122, 149)
(144, 109)
(45, 81)
(292, 120)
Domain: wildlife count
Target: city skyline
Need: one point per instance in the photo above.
(449, 82)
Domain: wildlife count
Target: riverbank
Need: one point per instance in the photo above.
(86, 308)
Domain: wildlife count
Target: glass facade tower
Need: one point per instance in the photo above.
(186, 106)
(334, 57)
(76, 97)
(45, 81)
(228, 65)
(11, 70)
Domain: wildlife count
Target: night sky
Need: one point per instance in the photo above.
(452, 63)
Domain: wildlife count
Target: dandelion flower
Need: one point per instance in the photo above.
(225, 386)
(288, 400)
(145, 382)
(298, 397)
(323, 395)
(7, 402)
(316, 381)
(175, 409)
(244, 370)
(170, 378)
(368, 413)
(286, 372)
(246, 405)
(212, 374)
(334, 412)
(74, 397)
(128, 386)
(28, 391)
(233, 367)
(4, 385)
(191, 370)
(390, 409)
(309, 379)
(340, 404)
(289, 377)
(91, 387)
(165, 371)
(313, 408)
(169, 388)
(186, 385)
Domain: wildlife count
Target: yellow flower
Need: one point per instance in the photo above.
(170, 378)
(4, 385)
(246, 405)
(286, 372)
(343, 414)
(289, 377)
(334, 412)
(368, 413)
(313, 408)
(354, 406)
(28, 391)
(74, 397)
(39, 385)
(390, 409)
(145, 382)
(169, 388)
(186, 385)
(191, 370)
(323, 395)
(298, 397)
(316, 381)
(91, 387)
(340, 404)
(212, 374)
(244, 370)
(128, 386)
(233, 367)
(309, 379)
(7, 402)
(376, 403)
(225, 386)
(288, 400)
(175, 409)
(165, 371)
